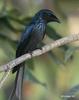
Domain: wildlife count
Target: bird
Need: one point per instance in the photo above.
(31, 37)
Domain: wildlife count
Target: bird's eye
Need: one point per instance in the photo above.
(49, 14)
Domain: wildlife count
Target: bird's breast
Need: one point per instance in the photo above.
(36, 37)
(40, 30)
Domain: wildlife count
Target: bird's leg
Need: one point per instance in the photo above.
(39, 47)
(30, 52)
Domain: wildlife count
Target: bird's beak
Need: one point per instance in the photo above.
(56, 19)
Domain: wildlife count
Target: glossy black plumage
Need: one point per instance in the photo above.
(30, 38)
(29, 41)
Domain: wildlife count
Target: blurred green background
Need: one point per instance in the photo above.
(54, 75)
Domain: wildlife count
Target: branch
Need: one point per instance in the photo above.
(39, 52)
(3, 79)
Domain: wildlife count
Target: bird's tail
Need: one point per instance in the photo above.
(18, 83)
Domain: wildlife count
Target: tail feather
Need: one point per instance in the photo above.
(14, 88)
(18, 82)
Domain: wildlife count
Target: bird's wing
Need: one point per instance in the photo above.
(24, 40)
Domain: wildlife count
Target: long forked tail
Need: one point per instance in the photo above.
(18, 84)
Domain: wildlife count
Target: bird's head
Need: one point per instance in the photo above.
(47, 15)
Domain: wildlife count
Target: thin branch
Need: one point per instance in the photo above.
(3, 79)
(38, 52)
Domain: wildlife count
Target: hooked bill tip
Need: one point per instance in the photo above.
(58, 21)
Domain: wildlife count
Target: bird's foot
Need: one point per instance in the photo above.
(39, 48)
(30, 52)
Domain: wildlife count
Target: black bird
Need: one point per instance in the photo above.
(30, 39)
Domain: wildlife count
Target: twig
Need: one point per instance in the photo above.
(38, 52)
(3, 79)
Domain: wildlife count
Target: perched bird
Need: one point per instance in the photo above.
(30, 39)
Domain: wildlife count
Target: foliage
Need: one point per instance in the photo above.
(46, 71)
